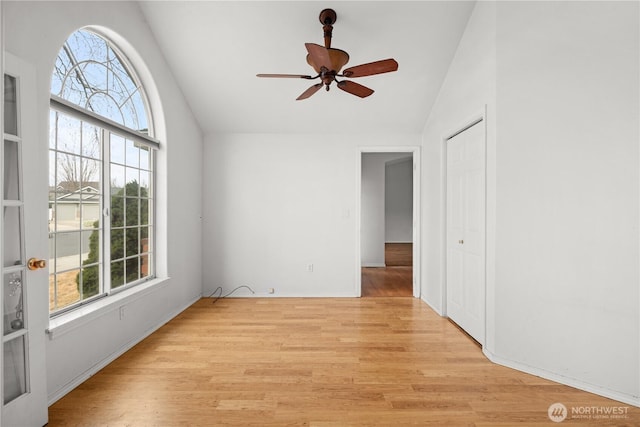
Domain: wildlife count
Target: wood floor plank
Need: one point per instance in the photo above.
(315, 362)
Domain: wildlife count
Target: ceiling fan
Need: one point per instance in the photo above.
(328, 62)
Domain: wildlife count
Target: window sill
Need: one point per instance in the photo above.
(85, 314)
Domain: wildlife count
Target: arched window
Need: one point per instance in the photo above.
(101, 157)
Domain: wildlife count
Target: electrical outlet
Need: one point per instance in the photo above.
(271, 290)
(121, 312)
(310, 268)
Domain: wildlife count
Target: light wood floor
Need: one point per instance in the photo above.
(314, 362)
(394, 280)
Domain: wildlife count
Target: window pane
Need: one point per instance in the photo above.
(15, 369)
(11, 172)
(132, 156)
(144, 266)
(144, 239)
(133, 182)
(67, 215)
(117, 180)
(132, 211)
(68, 134)
(117, 243)
(90, 247)
(12, 236)
(67, 251)
(145, 180)
(13, 302)
(132, 269)
(53, 181)
(91, 213)
(117, 211)
(117, 149)
(69, 173)
(117, 274)
(91, 141)
(66, 290)
(145, 158)
(10, 105)
(132, 241)
(90, 281)
(90, 175)
(144, 212)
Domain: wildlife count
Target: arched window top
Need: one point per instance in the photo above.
(92, 74)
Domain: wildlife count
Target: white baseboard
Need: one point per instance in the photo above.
(571, 382)
(439, 312)
(374, 264)
(75, 382)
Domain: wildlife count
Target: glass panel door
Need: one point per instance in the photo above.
(15, 371)
(23, 296)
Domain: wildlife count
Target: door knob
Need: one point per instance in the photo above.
(34, 263)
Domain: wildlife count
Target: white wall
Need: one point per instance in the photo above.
(275, 203)
(567, 242)
(467, 89)
(560, 81)
(372, 209)
(35, 31)
(398, 201)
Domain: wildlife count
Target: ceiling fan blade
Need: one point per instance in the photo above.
(319, 55)
(307, 93)
(285, 76)
(377, 67)
(355, 88)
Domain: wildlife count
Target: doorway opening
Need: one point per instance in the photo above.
(388, 241)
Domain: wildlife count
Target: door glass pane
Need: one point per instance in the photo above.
(12, 238)
(13, 305)
(11, 173)
(10, 105)
(15, 370)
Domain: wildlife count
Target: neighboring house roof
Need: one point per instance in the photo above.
(86, 194)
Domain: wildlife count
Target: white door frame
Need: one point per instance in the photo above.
(478, 118)
(415, 151)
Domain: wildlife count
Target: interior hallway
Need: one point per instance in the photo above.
(394, 280)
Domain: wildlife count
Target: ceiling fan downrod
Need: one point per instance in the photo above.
(327, 19)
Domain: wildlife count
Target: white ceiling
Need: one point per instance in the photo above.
(215, 49)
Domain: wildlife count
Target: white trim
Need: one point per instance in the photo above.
(417, 212)
(561, 379)
(84, 314)
(75, 382)
(62, 105)
(374, 265)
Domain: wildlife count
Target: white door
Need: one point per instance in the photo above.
(25, 289)
(466, 230)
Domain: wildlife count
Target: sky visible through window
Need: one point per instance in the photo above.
(89, 73)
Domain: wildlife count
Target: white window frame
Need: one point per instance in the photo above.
(110, 127)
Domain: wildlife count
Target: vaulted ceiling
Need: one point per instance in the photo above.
(216, 48)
